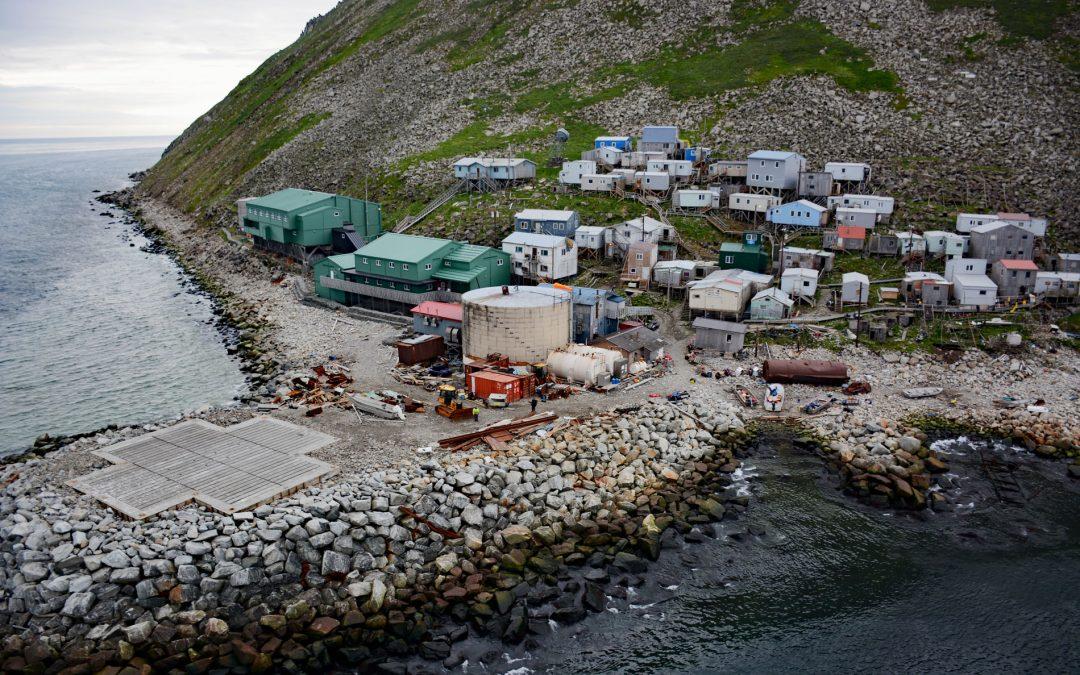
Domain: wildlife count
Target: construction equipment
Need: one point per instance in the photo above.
(452, 403)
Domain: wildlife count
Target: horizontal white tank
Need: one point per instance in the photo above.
(578, 368)
(609, 357)
(523, 323)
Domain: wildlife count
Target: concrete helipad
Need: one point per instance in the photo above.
(227, 469)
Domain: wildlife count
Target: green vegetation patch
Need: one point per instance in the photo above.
(800, 48)
(1026, 18)
(748, 14)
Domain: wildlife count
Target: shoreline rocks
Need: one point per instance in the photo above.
(351, 572)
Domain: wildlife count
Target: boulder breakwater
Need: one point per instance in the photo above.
(412, 557)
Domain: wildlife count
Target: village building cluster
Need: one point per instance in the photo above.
(513, 311)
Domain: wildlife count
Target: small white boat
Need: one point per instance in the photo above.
(774, 397)
(375, 406)
(922, 392)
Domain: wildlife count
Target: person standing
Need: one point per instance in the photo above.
(476, 414)
(533, 403)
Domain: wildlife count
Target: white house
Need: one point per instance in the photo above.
(964, 266)
(974, 290)
(855, 288)
(610, 156)
(883, 206)
(727, 169)
(721, 293)
(910, 242)
(855, 172)
(572, 172)
(541, 257)
(602, 182)
(1036, 226)
(1058, 284)
(592, 237)
(676, 168)
(939, 242)
(673, 273)
(799, 283)
(692, 199)
(495, 168)
(856, 217)
(966, 221)
(774, 170)
(640, 229)
(654, 181)
(753, 203)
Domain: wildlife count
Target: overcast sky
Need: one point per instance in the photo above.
(132, 67)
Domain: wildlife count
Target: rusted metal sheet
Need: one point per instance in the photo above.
(784, 371)
(420, 349)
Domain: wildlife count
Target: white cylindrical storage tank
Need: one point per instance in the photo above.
(606, 356)
(523, 323)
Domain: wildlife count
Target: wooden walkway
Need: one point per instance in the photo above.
(227, 469)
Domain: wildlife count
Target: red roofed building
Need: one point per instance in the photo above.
(439, 318)
(1014, 278)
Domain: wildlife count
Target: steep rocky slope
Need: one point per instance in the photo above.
(960, 107)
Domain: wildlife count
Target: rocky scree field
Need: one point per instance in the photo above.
(961, 105)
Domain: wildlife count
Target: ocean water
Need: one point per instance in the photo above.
(93, 330)
(835, 587)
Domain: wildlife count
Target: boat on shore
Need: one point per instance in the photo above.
(744, 395)
(377, 407)
(922, 392)
(817, 406)
(774, 397)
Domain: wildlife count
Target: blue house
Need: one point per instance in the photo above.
(802, 213)
(624, 143)
(547, 221)
(596, 312)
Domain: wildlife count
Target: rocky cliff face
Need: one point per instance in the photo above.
(957, 108)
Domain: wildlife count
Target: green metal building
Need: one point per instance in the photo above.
(745, 255)
(398, 269)
(296, 222)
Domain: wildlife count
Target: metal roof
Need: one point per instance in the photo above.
(404, 247)
(855, 276)
(544, 214)
(777, 294)
(636, 338)
(804, 203)
(646, 223)
(800, 272)
(923, 276)
(773, 154)
(851, 232)
(716, 324)
(678, 264)
(451, 311)
(535, 239)
(345, 261)
(660, 134)
(990, 227)
(1011, 264)
(975, 280)
(854, 209)
(462, 276)
(466, 253)
(589, 229)
(517, 296)
(289, 199)
(612, 138)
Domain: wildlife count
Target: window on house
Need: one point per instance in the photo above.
(544, 252)
(543, 268)
(729, 259)
(777, 164)
(390, 265)
(499, 262)
(378, 263)
(640, 256)
(633, 270)
(405, 267)
(427, 266)
(446, 263)
(728, 338)
(337, 213)
(518, 249)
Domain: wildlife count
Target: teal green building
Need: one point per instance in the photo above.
(401, 268)
(747, 254)
(296, 222)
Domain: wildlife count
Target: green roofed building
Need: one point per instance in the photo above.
(398, 269)
(744, 255)
(298, 222)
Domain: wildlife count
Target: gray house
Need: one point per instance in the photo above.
(926, 288)
(1014, 278)
(547, 221)
(814, 184)
(774, 169)
(806, 258)
(713, 334)
(883, 244)
(1065, 262)
(855, 217)
(997, 240)
(659, 139)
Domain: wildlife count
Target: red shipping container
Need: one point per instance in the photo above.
(483, 383)
(420, 349)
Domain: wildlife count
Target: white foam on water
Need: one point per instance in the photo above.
(642, 606)
(511, 660)
(613, 610)
(553, 624)
(672, 587)
(519, 671)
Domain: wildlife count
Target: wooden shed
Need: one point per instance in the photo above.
(723, 336)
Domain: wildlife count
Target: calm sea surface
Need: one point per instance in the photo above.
(92, 329)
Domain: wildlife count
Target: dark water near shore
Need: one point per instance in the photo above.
(92, 330)
(835, 587)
